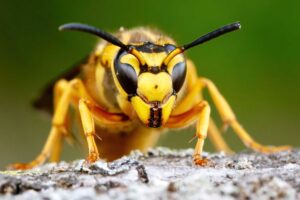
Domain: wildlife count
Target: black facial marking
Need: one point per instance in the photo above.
(154, 70)
(126, 75)
(155, 119)
(149, 47)
(178, 75)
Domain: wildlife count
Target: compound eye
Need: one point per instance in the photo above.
(178, 75)
(126, 74)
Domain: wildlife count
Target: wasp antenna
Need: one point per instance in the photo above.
(216, 33)
(95, 31)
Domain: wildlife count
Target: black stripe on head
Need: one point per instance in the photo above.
(153, 70)
(149, 47)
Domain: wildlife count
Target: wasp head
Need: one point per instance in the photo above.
(151, 84)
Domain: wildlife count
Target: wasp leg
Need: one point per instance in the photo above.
(193, 93)
(59, 89)
(229, 118)
(201, 113)
(214, 134)
(89, 131)
(216, 138)
(72, 92)
(61, 109)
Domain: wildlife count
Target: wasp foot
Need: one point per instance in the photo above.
(92, 157)
(199, 161)
(20, 166)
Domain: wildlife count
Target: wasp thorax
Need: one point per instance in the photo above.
(154, 87)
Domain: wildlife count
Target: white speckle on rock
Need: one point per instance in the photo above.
(169, 174)
(291, 166)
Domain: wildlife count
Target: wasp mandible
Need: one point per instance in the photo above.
(133, 86)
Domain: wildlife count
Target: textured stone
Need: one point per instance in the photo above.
(161, 173)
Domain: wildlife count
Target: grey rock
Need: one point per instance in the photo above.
(161, 173)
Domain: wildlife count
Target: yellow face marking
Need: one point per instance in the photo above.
(154, 59)
(143, 110)
(154, 87)
(167, 109)
(106, 58)
(118, 85)
(177, 59)
(132, 61)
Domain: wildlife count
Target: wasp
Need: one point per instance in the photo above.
(135, 85)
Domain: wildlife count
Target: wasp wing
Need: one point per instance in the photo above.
(45, 101)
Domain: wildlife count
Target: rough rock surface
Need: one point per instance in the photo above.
(161, 174)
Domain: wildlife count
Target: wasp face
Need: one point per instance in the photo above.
(151, 85)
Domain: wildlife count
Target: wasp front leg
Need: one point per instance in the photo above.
(65, 132)
(62, 96)
(229, 119)
(72, 92)
(89, 131)
(194, 88)
(200, 113)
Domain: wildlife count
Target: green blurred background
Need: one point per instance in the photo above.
(257, 68)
